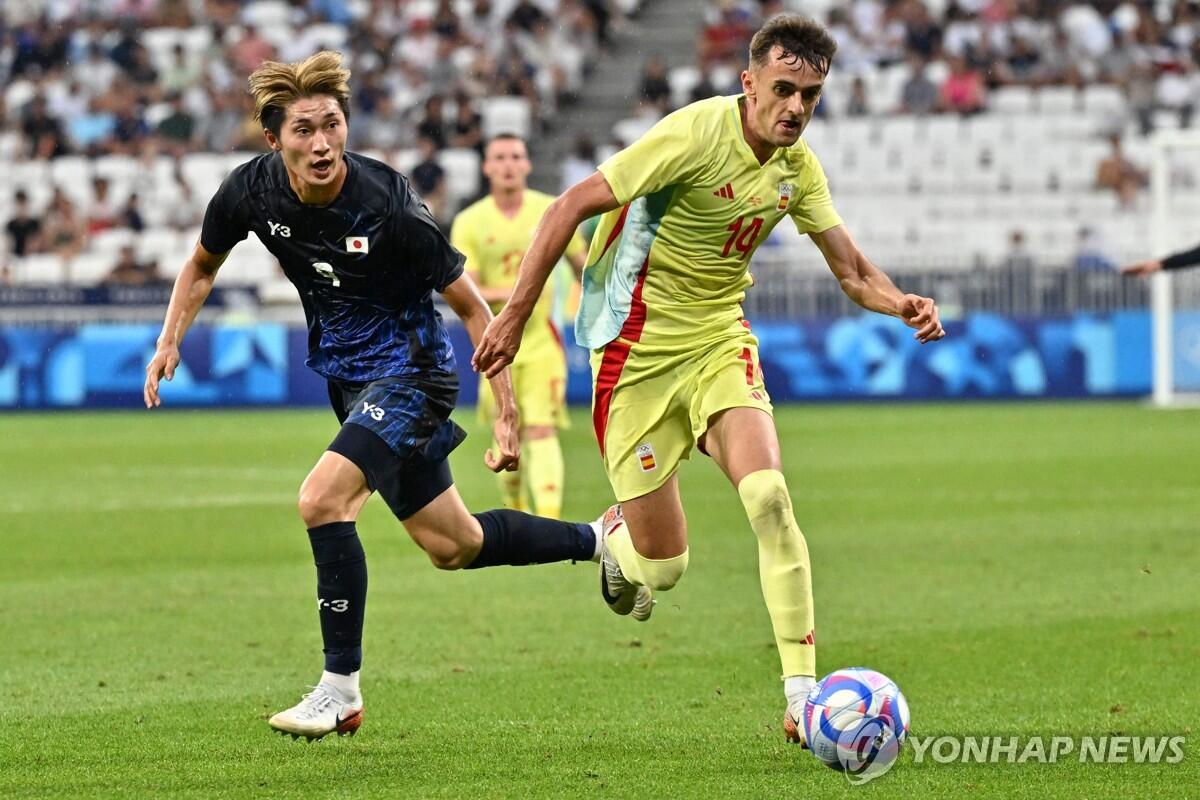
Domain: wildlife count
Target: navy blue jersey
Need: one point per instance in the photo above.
(365, 265)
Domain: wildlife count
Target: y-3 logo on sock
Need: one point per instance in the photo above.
(333, 605)
(373, 411)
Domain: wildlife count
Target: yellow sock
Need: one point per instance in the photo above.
(511, 491)
(544, 466)
(783, 568)
(659, 574)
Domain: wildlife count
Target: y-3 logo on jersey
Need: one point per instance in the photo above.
(373, 411)
(280, 229)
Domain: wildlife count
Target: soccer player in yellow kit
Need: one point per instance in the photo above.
(674, 361)
(493, 234)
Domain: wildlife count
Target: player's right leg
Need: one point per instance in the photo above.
(644, 550)
(642, 426)
(330, 500)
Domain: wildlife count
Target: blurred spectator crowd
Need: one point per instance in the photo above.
(137, 86)
(949, 55)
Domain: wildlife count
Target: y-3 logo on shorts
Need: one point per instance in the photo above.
(373, 411)
(645, 454)
(279, 228)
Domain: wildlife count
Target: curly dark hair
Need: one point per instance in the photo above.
(800, 38)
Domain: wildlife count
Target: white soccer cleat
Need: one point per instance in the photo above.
(318, 714)
(621, 596)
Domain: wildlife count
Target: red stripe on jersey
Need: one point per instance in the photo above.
(616, 231)
(616, 353)
(554, 332)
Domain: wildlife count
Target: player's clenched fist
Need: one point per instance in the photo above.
(163, 365)
(499, 344)
(507, 455)
(921, 313)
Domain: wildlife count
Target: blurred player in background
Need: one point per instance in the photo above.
(365, 255)
(493, 234)
(674, 363)
(1181, 260)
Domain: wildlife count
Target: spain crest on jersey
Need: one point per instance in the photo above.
(785, 195)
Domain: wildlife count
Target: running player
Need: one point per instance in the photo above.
(493, 234)
(365, 255)
(674, 362)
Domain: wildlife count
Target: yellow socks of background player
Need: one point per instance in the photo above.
(659, 574)
(544, 470)
(783, 568)
(511, 492)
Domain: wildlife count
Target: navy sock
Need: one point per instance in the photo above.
(341, 593)
(516, 538)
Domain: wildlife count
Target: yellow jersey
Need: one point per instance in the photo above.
(669, 268)
(494, 245)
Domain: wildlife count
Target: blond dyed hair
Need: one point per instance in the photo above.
(276, 85)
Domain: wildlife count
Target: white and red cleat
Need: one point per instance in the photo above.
(621, 596)
(793, 731)
(319, 713)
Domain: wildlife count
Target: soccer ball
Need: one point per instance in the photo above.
(855, 720)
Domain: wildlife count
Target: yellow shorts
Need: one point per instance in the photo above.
(651, 406)
(540, 385)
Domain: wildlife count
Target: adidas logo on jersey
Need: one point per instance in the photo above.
(725, 191)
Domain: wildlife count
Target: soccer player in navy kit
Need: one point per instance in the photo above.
(365, 255)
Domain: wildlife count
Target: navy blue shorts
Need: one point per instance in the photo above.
(399, 433)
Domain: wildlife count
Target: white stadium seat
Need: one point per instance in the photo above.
(506, 115)
(462, 172)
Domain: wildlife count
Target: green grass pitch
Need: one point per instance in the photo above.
(1018, 569)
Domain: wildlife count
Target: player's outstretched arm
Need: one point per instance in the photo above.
(867, 285)
(1143, 267)
(502, 338)
(192, 288)
(467, 303)
(1180, 260)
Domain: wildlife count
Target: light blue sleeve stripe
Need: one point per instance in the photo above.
(608, 291)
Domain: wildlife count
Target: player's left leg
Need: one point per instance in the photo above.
(543, 457)
(731, 415)
(540, 388)
(744, 444)
(454, 538)
(331, 498)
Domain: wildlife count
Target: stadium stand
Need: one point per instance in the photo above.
(149, 97)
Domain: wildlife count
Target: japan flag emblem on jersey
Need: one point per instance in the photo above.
(356, 244)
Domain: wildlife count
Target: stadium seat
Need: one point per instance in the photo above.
(683, 80)
(462, 172)
(1104, 100)
(39, 270)
(1012, 100)
(265, 14)
(204, 171)
(89, 269)
(1059, 101)
(505, 115)
(110, 242)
